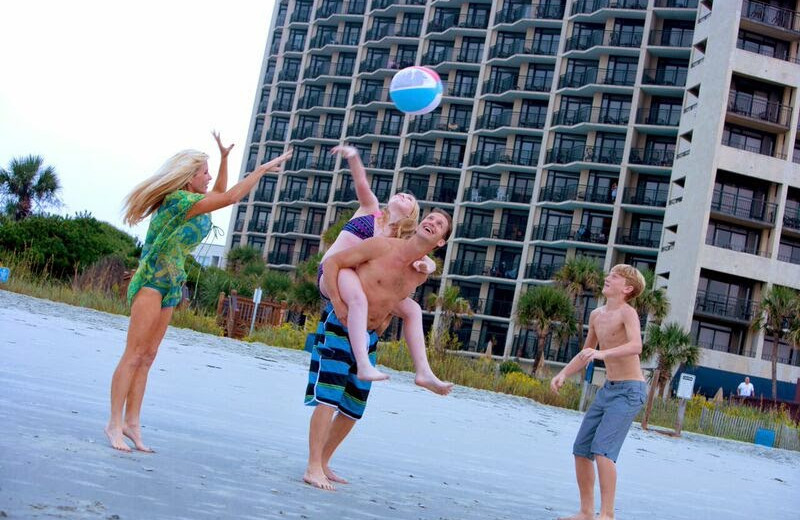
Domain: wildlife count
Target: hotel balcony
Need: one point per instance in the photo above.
(672, 38)
(590, 114)
(744, 209)
(416, 160)
(348, 7)
(483, 269)
(638, 237)
(590, 6)
(535, 120)
(603, 39)
(491, 231)
(542, 271)
(663, 158)
(576, 233)
(366, 96)
(591, 154)
(442, 24)
(333, 38)
(256, 226)
(664, 115)
(621, 78)
(512, 13)
(496, 193)
(721, 306)
(576, 192)
(318, 100)
(428, 123)
(508, 156)
(770, 20)
(665, 77)
(744, 108)
(646, 197)
(395, 32)
(522, 47)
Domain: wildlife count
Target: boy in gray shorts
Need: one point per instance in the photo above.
(615, 328)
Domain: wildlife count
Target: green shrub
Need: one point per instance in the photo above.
(508, 367)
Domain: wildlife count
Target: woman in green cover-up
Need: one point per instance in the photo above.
(178, 203)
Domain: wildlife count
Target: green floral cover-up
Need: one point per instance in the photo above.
(170, 237)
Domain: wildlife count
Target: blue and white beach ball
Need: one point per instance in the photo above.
(416, 90)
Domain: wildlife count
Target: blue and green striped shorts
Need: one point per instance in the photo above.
(332, 377)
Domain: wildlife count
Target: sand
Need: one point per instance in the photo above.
(227, 420)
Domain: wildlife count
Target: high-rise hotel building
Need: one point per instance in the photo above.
(659, 133)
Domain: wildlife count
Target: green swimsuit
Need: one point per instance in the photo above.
(170, 237)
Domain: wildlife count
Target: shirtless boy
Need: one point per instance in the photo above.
(615, 327)
(385, 269)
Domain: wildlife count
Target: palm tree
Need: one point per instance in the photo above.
(329, 235)
(778, 319)
(245, 260)
(673, 346)
(453, 306)
(580, 276)
(547, 310)
(653, 301)
(27, 182)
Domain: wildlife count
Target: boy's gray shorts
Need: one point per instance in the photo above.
(607, 421)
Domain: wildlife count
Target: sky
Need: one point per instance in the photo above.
(105, 92)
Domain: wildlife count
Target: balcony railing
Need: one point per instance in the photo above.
(743, 207)
(445, 195)
(665, 77)
(491, 230)
(495, 192)
(590, 114)
(680, 4)
(511, 48)
(415, 160)
(578, 233)
(652, 157)
(321, 162)
(672, 38)
(542, 271)
(282, 257)
(646, 197)
(791, 222)
(746, 105)
(714, 304)
(238, 226)
(344, 68)
(317, 132)
(664, 115)
(264, 195)
(317, 99)
(773, 16)
(469, 21)
(383, 4)
(578, 79)
(382, 162)
(577, 192)
(767, 147)
(516, 157)
(344, 195)
(384, 62)
(333, 38)
(638, 237)
(773, 52)
(494, 270)
(605, 155)
(303, 194)
(513, 119)
(427, 123)
(590, 6)
(257, 226)
(604, 38)
(369, 95)
(463, 91)
(533, 84)
(514, 13)
(732, 244)
(398, 30)
(282, 105)
(347, 7)
(289, 74)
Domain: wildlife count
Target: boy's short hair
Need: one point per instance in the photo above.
(633, 278)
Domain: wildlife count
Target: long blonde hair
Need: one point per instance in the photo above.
(173, 175)
(404, 227)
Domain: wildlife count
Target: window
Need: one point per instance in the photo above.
(526, 151)
(256, 242)
(296, 40)
(284, 99)
(747, 139)
(412, 25)
(621, 71)
(465, 84)
(381, 186)
(308, 248)
(471, 50)
(545, 41)
(615, 109)
(351, 34)
(540, 78)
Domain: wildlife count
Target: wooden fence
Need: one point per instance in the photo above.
(720, 424)
(236, 323)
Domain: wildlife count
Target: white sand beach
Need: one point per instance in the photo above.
(229, 427)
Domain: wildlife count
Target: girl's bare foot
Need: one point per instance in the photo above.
(433, 383)
(115, 438)
(134, 433)
(371, 374)
(333, 477)
(318, 480)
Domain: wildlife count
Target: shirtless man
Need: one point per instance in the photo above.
(385, 269)
(615, 327)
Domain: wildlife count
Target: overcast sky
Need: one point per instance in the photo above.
(106, 91)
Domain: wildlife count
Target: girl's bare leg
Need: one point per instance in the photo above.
(145, 315)
(353, 296)
(133, 402)
(409, 311)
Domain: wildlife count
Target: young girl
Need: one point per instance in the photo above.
(399, 219)
(176, 199)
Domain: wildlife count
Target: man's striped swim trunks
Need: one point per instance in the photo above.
(332, 377)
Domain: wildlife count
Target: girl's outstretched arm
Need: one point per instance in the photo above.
(214, 201)
(367, 201)
(221, 183)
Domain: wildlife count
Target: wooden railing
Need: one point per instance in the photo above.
(236, 324)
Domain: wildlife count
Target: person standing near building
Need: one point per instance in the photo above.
(745, 388)
(178, 203)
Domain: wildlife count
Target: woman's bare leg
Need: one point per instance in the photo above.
(409, 311)
(133, 403)
(353, 296)
(145, 315)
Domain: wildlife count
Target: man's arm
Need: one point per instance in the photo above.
(633, 333)
(351, 257)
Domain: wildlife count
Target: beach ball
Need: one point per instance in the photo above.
(416, 90)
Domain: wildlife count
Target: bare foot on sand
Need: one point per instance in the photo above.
(318, 480)
(604, 517)
(115, 438)
(333, 477)
(134, 433)
(579, 516)
(433, 383)
(371, 374)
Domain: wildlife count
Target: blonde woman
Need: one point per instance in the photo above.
(178, 203)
